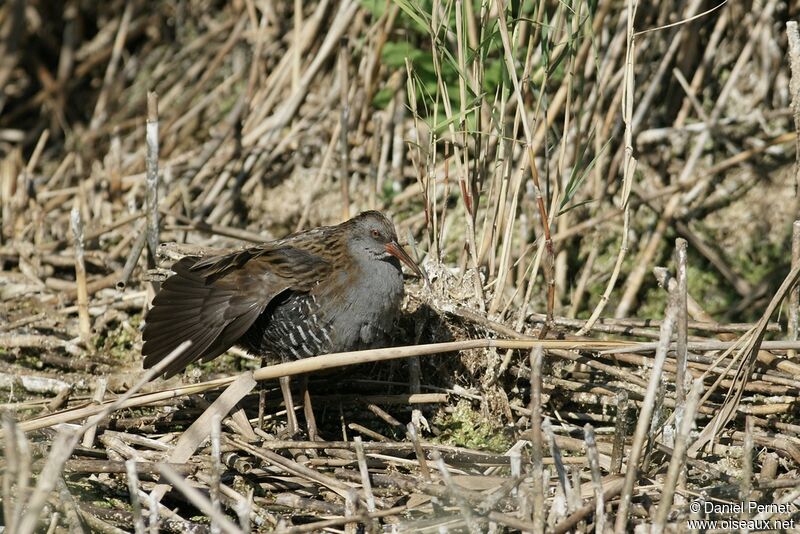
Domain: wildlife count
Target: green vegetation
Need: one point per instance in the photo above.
(118, 343)
(466, 427)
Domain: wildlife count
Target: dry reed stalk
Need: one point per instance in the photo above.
(100, 115)
(744, 371)
(198, 500)
(537, 442)
(746, 473)
(676, 466)
(413, 435)
(216, 465)
(97, 397)
(80, 277)
(793, 319)
(682, 330)
(62, 446)
(344, 164)
(364, 470)
(133, 491)
(793, 38)
(152, 181)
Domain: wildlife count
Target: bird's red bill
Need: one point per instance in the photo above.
(397, 251)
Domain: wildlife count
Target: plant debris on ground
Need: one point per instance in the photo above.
(603, 195)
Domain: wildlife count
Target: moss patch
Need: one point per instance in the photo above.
(466, 427)
(119, 343)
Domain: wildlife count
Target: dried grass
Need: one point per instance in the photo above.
(540, 167)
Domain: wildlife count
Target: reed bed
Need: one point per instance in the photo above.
(603, 195)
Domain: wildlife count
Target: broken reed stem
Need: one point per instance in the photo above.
(620, 432)
(297, 44)
(677, 462)
(793, 38)
(24, 472)
(100, 113)
(61, 449)
(198, 500)
(648, 406)
(200, 429)
(99, 394)
(515, 459)
(54, 521)
(308, 411)
(537, 445)
(413, 435)
(132, 260)
(151, 173)
(558, 462)
(153, 505)
(682, 321)
(387, 417)
(37, 152)
(749, 356)
(344, 89)
(84, 321)
(133, 492)
(718, 346)
(597, 478)
(655, 426)
(746, 476)
(628, 168)
(364, 470)
(73, 515)
(243, 510)
(794, 295)
(351, 511)
(216, 468)
(9, 472)
(17, 471)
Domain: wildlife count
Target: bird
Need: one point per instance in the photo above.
(329, 289)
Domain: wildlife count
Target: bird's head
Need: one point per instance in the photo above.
(372, 234)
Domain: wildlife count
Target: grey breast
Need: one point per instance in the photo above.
(368, 308)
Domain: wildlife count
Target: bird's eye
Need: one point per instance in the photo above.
(376, 234)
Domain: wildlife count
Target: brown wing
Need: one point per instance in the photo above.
(213, 301)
